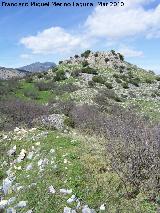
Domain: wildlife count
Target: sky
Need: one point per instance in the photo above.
(30, 34)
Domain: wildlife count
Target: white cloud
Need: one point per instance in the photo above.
(130, 53)
(54, 40)
(25, 56)
(128, 21)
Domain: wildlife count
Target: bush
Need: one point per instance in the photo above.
(69, 122)
(60, 62)
(76, 56)
(86, 54)
(113, 52)
(125, 85)
(20, 113)
(121, 56)
(40, 75)
(134, 81)
(106, 60)
(158, 78)
(119, 81)
(29, 79)
(98, 79)
(89, 70)
(60, 75)
(75, 73)
(96, 54)
(149, 81)
(43, 86)
(108, 85)
(85, 63)
(31, 94)
(91, 83)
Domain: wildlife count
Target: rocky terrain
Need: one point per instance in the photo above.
(8, 73)
(82, 137)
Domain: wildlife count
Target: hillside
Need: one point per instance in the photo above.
(8, 73)
(38, 67)
(83, 137)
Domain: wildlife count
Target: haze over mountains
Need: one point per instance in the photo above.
(7, 73)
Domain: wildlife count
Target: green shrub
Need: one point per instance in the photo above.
(106, 60)
(108, 85)
(125, 85)
(149, 81)
(60, 75)
(29, 79)
(75, 73)
(121, 57)
(98, 79)
(86, 54)
(134, 81)
(91, 83)
(69, 122)
(119, 81)
(158, 78)
(96, 54)
(31, 94)
(89, 70)
(115, 75)
(85, 63)
(60, 62)
(40, 75)
(113, 52)
(76, 56)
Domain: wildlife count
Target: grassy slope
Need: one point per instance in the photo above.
(86, 172)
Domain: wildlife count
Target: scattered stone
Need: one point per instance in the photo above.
(6, 185)
(11, 200)
(86, 209)
(29, 211)
(67, 210)
(72, 199)
(21, 156)
(52, 190)
(11, 210)
(65, 161)
(12, 151)
(52, 151)
(102, 207)
(30, 155)
(22, 204)
(3, 204)
(29, 167)
(66, 191)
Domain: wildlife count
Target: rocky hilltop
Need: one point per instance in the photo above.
(8, 73)
(100, 60)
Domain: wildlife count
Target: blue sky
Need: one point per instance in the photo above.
(52, 34)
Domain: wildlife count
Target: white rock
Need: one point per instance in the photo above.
(30, 155)
(22, 204)
(11, 151)
(6, 185)
(102, 207)
(11, 210)
(11, 200)
(21, 155)
(65, 160)
(72, 199)
(52, 190)
(3, 204)
(86, 209)
(52, 151)
(16, 129)
(67, 210)
(29, 211)
(66, 191)
(29, 167)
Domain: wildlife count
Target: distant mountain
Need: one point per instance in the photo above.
(38, 67)
(8, 73)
